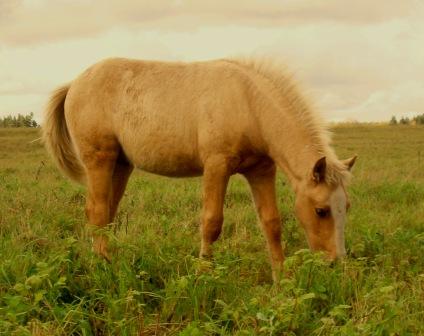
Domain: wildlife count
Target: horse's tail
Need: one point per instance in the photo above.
(57, 139)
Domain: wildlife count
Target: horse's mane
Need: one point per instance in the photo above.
(286, 88)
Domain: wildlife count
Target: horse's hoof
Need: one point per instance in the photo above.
(100, 247)
(205, 256)
(204, 266)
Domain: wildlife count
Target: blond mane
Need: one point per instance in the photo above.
(288, 93)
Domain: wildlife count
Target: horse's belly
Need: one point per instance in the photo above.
(165, 158)
(174, 167)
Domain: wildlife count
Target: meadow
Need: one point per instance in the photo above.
(52, 284)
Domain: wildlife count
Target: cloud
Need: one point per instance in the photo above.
(42, 21)
(24, 104)
(361, 63)
(405, 99)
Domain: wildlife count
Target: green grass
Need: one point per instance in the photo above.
(52, 284)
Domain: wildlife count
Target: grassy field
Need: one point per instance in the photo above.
(52, 284)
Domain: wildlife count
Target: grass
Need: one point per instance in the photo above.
(52, 284)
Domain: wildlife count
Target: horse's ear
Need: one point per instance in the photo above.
(350, 162)
(318, 173)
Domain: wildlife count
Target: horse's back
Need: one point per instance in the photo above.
(167, 117)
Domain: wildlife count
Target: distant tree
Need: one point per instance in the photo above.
(393, 121)
(404, 121)
(18, 121)
(419, 119)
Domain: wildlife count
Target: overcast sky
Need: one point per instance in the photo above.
(358, 60)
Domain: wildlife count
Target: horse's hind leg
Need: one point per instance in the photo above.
(120, 178)
(262, 183)
(215, 180)
(100, 164)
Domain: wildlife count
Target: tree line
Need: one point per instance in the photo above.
(417, 120)
(19, 120)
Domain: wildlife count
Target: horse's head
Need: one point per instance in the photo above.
(321, 206)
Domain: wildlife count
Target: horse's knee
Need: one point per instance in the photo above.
(272, 227)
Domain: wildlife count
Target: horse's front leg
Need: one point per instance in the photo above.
(215, 180)
(262, 184)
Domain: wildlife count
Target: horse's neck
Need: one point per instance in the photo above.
(296, 159)
(294, 149)
(293, 136)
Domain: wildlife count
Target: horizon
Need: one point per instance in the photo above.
(365, 65)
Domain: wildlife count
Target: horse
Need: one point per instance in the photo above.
(213, 118)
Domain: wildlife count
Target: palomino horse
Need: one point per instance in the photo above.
(215, 119)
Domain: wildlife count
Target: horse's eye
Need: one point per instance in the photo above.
(321, 212)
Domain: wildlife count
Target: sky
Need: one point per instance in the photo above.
(357, 60)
